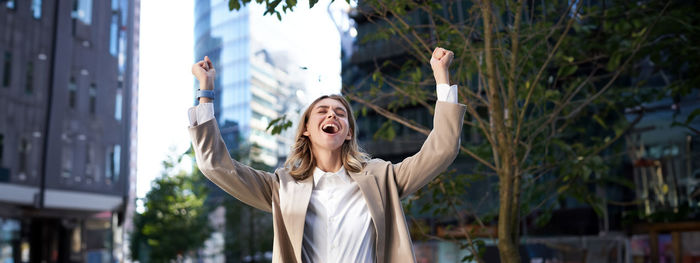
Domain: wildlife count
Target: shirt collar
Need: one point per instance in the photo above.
(318, 174)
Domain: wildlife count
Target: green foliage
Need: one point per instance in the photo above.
(271, 7)
(175, 220)
(279, 125)
(386, 131)
(248, 231)
(577, 83)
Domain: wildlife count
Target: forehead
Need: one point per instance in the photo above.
(331, 103)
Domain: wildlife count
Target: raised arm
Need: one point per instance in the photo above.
(442, 145)
(251, 186)
(205, 73)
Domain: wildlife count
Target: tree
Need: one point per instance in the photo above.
(248, 231)
(547, 84)
(175, 220)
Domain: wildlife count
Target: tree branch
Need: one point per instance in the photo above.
(394, 117)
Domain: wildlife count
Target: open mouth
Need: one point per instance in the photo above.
(330, 128)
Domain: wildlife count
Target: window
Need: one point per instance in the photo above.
(89, 159)
(36, 9)
(114, 34)
(82, 10)
(93, 95)
(23, 155)
(10, 4)
(7, 69)
(124, 7)
(112, 163)
(29, 88)
(117, 161)
(121, 59)
(72, 90)
(67, 163)
(118, 105)
(2, 146)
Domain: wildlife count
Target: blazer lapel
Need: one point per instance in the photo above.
(294, 200)
(375, 202)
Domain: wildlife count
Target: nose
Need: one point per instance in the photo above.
(331, 114)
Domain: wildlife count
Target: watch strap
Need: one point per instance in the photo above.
(205, 93)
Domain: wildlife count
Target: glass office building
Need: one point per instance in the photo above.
(224, 36)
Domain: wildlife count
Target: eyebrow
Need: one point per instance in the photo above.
(327, 107)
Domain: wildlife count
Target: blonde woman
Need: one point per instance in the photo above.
(330, 202)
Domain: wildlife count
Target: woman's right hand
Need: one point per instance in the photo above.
(205, 73)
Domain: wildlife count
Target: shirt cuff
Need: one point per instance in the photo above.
(447, 93)
(200, 113)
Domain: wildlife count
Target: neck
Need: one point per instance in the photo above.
(327, 160)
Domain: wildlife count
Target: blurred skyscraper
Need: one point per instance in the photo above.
(253, 87)
(68, 71)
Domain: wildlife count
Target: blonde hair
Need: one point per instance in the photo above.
(301, 162)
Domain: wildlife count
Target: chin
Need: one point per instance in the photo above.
(328, 144)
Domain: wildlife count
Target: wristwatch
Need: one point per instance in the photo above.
(205, 93)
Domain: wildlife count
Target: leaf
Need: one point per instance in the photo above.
(289, 4)
(600, 121)
(279, 125)
(542, 219)
(233, 5)
(567, 70)
(312, 3)
(614, 62)
(386, 132)
(469, 258)
(552, 94)
(563, 188)
(640, 33)
(692, 116)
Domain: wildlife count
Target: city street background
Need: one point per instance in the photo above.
(581, 140)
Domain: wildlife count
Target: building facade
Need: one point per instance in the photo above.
(67, 108)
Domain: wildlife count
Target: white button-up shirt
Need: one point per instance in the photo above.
(338, 226)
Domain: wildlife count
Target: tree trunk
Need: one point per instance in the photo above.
(504, 150)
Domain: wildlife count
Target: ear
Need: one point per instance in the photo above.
(306, 133)
(349, 137)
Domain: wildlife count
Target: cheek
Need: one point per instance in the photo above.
(347, 127)
(310, 124)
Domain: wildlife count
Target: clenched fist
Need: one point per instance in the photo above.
(440, 62)
(205, 73)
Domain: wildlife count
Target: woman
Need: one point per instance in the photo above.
(331, 203)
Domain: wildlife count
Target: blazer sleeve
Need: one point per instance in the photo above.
(438, 151)
(250, 186)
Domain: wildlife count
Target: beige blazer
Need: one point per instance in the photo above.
(382, 183)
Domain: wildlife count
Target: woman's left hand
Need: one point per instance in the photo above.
(440, 62)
